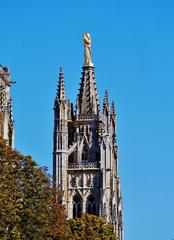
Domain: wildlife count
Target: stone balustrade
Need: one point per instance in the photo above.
(83, 165)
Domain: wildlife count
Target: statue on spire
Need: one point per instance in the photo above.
(87, 49)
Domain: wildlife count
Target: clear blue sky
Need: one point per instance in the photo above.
(133, 52)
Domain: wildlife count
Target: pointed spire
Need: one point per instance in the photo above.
(87, 99)
(70, 110)
(113, 113)
(113, 117)
(106, 101)
(61, 86)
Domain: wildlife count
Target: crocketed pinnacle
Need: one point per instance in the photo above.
(61, 86)
(106, 101)
(10, 113)
(113, 113)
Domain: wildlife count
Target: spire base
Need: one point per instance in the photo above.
(88, 65)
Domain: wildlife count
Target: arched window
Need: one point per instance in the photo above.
(76, 206)
(71, 158)
(90, 205)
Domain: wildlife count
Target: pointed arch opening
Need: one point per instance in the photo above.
(85, 152)
(91, 205)
(71, 158)
(77, 206)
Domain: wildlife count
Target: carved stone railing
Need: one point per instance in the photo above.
(83, 165)
(88, 116)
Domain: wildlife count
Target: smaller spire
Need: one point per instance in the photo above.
(106, 101)
(61, 86)
(113, 113)
(70, 110)
(11, 122)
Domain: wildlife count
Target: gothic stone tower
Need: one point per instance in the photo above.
(6, 119)
(85, 155)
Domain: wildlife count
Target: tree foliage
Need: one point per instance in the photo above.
(28, 206)
(91, 227)
(29, 209)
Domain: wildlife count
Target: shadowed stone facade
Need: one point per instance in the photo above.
(85, 154)
(6, 119)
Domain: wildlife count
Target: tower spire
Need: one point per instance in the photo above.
(61, 94)
(87, 99)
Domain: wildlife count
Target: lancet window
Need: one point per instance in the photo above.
(77, 206)
(91, 205)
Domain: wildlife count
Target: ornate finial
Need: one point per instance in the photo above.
(87, 49)
(61, 69)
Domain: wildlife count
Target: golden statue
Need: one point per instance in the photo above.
(87, 49)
